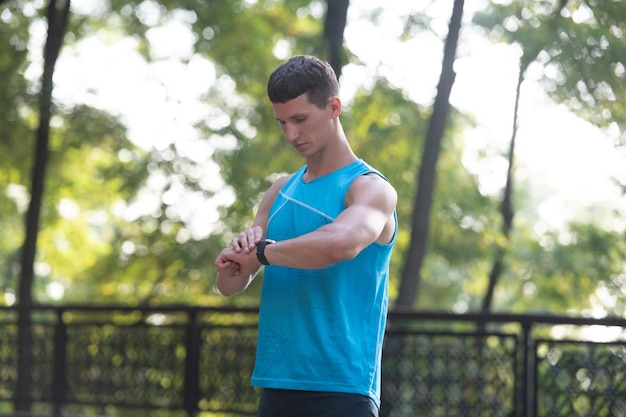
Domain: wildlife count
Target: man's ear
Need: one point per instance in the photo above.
(334, 104)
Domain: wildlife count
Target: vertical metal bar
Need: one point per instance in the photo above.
(524, 390)
(517, 384)
(528, 372)
(535, 365)
(192, 360)
(59, 376)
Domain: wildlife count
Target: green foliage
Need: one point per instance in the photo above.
(578, 47)
(117, 224)
(582, 269)
(575, 49)
(386, 130)
(17, 120)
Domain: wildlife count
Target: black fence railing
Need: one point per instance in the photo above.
(192, 361)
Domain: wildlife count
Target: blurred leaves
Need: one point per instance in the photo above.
(120, 222)
(577, 49)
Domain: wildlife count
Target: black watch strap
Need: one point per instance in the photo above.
(260, 250)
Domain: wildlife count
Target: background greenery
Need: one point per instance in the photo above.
(117, 218)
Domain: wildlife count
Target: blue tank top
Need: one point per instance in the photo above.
(322, 330)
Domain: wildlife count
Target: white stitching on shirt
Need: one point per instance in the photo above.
(300, 203)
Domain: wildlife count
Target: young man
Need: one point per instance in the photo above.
(325, 236)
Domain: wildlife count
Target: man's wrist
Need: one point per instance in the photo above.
(260, 250)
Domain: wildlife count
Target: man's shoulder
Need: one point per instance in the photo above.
(372, 183)
(371, 178)
(279, 183)
(283, 179)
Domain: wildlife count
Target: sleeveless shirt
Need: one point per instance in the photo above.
(322, 330)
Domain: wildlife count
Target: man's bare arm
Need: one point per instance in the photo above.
(237, 266)
(368, 217)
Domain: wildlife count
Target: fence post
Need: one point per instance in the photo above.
(528, 371)
(192, 360)
(59, 376)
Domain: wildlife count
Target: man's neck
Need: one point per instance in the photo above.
(330, 160)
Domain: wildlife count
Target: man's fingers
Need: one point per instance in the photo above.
(247, 240)
(258, 234)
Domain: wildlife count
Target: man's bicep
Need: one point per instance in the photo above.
(372, 193)
(369, 212)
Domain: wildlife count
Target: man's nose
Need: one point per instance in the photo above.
(291, 133)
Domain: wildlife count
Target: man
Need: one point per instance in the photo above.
(325, 236)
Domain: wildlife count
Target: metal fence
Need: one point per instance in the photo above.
(190, 361)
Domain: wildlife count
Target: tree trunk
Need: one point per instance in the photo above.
(506, 208)
(334, 26)
(394, 347)
(422, 204)
(57, 16)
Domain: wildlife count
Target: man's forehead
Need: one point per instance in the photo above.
(293, 108)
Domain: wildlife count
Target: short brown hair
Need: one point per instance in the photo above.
(303, 74)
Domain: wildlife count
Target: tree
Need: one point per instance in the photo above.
(16, 142)
(57, 18)
(580, 50)
(134, 241)
(567, 47)
(157, 243)
(334, 25)
(427, 171)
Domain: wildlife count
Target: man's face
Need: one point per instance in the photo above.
(306, 127)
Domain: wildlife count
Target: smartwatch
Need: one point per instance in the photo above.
(260, 250)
